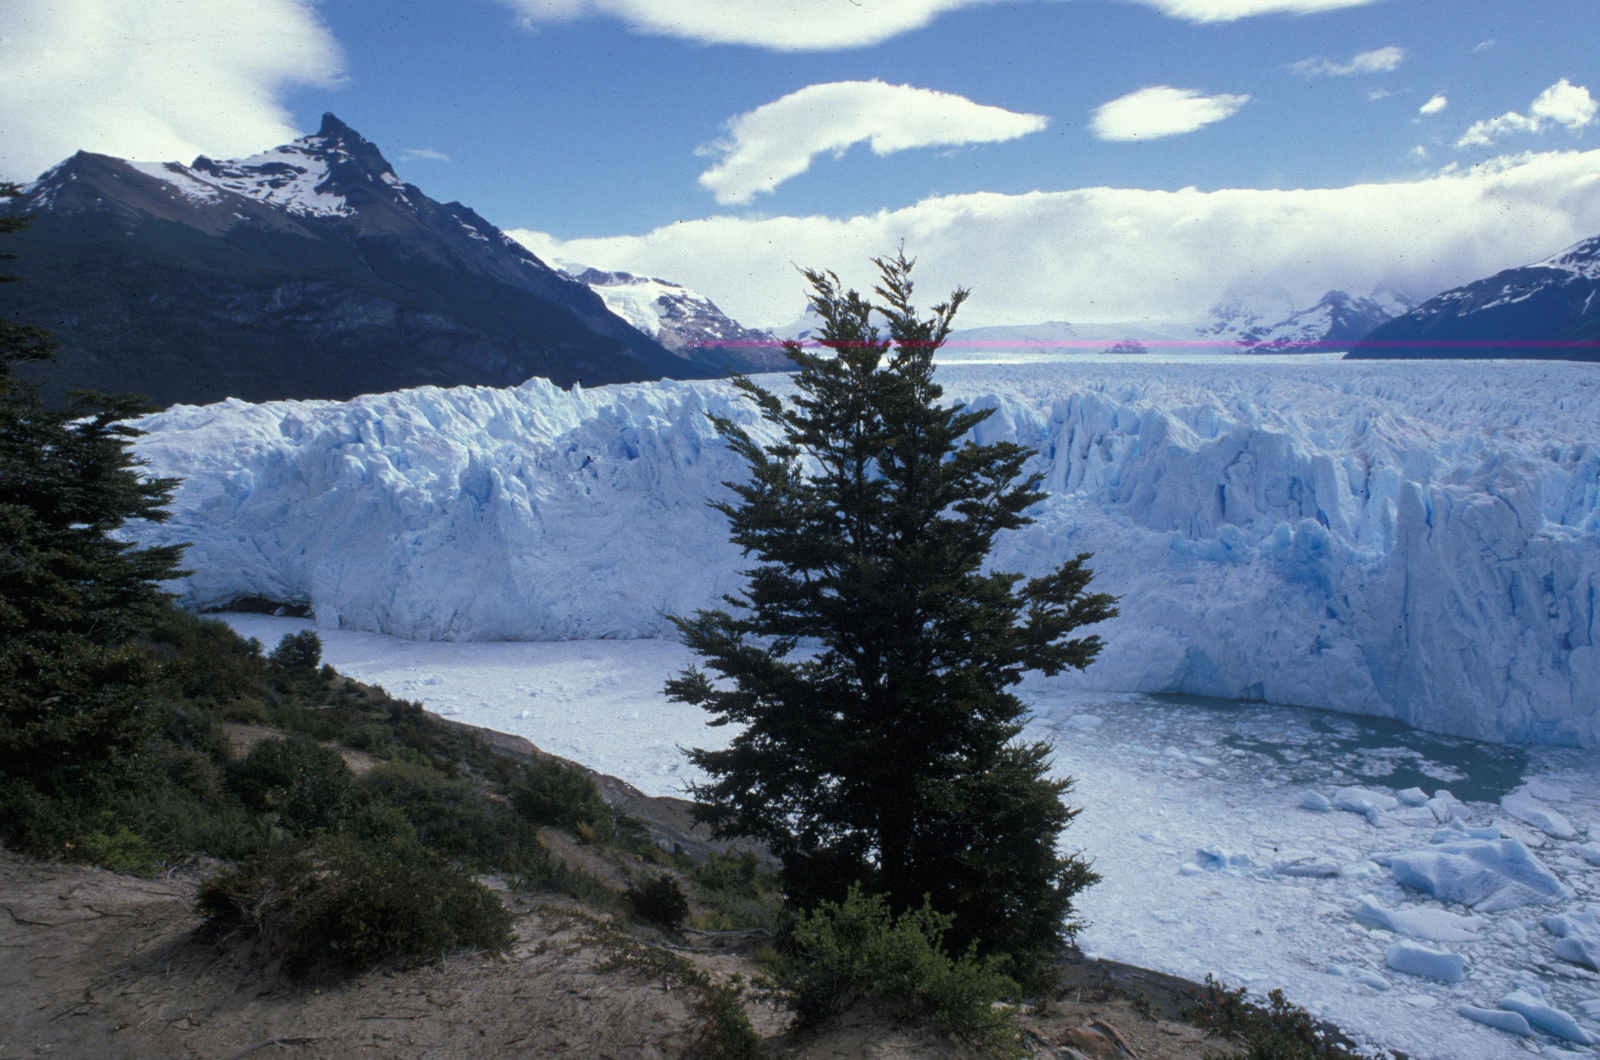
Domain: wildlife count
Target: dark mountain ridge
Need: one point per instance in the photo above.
(1548, 310)
(310, 270)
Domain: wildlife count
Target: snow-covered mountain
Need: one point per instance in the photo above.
(1258, 324)
(311, 270)
(1547, 310)
(1371, 538)
(1335, 323)
(683, 320)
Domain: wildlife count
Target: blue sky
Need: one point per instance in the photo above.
(1069, 159)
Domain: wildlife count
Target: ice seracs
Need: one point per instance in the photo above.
(1375, 538)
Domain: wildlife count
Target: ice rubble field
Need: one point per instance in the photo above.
(1420, 541)
(1192, 811)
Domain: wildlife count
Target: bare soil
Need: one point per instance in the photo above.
(98, 965)
(93, 964)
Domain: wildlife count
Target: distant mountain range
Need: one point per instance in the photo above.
(684, 321)
(310, 270)
(1547, 310)
(1239, 325)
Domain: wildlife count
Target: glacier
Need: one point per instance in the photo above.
(1418, 540)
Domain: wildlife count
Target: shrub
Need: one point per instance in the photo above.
(339, 902)
(736, 891)
(450, 815)
(306, 785)
(844, 952)
(1278, 1030)
(549, 792)
(298, 652)
(660, 901)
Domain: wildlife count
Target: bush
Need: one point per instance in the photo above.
(339, 902)
(844, 952)
(550, 792)
(1277, 1031)
(660, 901)
(452, 816)
(298, 652)
(306, 785)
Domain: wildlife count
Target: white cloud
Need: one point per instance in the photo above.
(1563, 103)
(1435, 105)
(766, 146)
(1103, 254)
(1232, 10)
(781, 25)
(1376, 61)
(1151, 113)
(1420, 153)
(784, 25)
(156, 80)
(423, 154)
(1482, 46)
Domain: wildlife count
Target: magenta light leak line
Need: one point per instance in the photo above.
(1103, 344)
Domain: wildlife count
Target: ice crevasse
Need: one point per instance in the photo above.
(1419, 541)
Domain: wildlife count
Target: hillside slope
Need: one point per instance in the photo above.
(311, 270)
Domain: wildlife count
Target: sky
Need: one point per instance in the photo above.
(1080, 160)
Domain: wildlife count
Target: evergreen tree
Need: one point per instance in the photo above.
(72, 596)
(871, 656)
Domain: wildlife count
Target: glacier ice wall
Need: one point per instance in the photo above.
(1420, 541)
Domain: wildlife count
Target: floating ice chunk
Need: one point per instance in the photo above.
(1579, 935)
(1548, 790)
(1437, 925)
(1309, 866)
(1413, 958)
(1590, 852)
(1372, 979)
(1487, 874)
(1590, 1008)
(1547, 1018)
(1498, 1018)
(1216, 858)
(1445, 806)
(1084, 722)
(1457, 832)
(1412, 797)
(1312, 800)
(1189, 868)
(1529, 810)
(1363, 800)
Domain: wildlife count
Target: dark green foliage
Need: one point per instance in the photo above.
(869, 661)
(74, 688)
(298, 652)
(841, 953)
(1276, 1031)
(659, 900)
(305, 786)
(341, 902)
(550, 792)
(451, 815)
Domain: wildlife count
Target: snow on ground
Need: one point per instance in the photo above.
(1414, 540)
(1192, 812)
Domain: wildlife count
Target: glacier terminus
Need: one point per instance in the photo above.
(1415, 540)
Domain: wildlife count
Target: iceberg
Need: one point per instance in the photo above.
(1487, 874)
(1416, 541)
